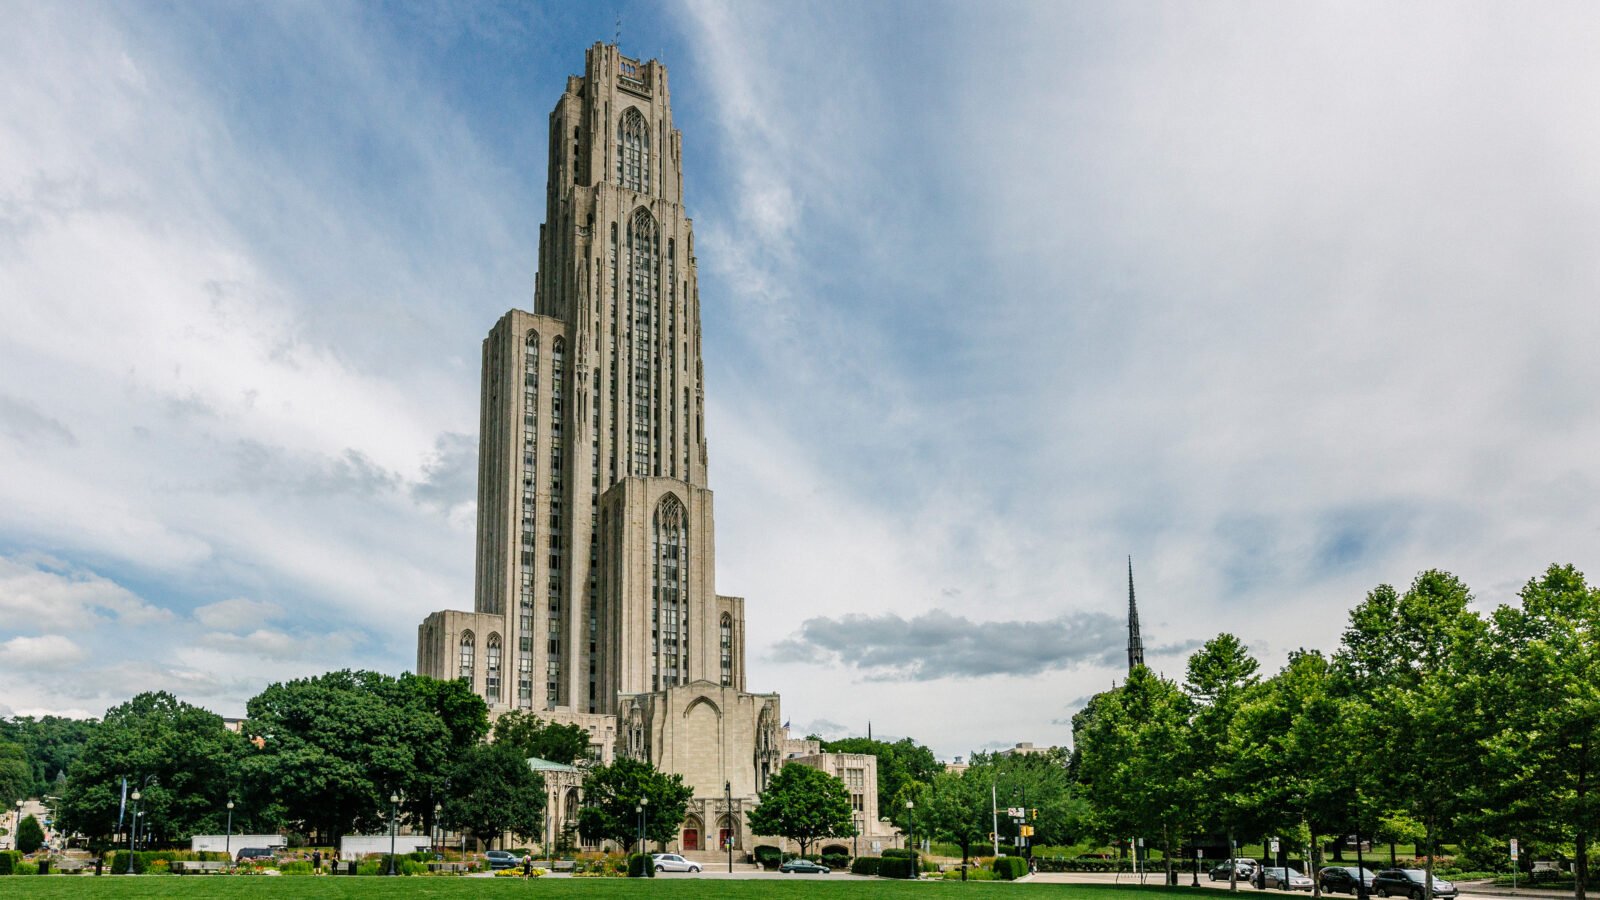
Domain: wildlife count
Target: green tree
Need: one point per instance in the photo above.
(533, 736)
(958, 807)
(180, 756)
(1541, 688)
(30, 836)
(1133, 744)
(493, 791)
(1221, 678)
(903, 768)
(465, 718)
(16, 775)
(333, 748)
(803, 804)
(1409, 655)
(50, 743)
(612, 794)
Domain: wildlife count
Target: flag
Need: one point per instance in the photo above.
(786, 724)
(124, 807)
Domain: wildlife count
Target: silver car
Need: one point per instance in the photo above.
(1283, 879)
(672, 862)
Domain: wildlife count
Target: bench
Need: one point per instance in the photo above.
(73, 866)
(1545, 870)
(561, 865)
(450, 867)
(192, 866)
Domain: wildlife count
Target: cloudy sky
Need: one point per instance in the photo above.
(1282, 300)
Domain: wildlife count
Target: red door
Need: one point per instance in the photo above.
(691, 839)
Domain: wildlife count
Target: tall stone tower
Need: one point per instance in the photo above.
(595, 550)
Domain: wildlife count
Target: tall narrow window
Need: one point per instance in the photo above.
(727, 649)
(491, 678)
(644, 295)
(669, 588)
(468, 647)
(633, 152)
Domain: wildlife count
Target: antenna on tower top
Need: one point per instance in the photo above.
(618, 39)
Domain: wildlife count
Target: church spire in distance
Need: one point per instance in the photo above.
(1135, 643)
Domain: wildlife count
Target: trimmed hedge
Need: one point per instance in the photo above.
(898, 866)
(898, 853)
(767, 856)
(8, 861)
(641, 865)
(865, 865)
(1010, 868)
(836, 860)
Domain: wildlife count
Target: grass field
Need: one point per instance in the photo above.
(588, 888)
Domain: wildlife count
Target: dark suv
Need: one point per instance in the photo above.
(1342, 879)
(248, 853)
(1410, 883)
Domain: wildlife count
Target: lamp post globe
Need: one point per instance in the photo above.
(911, 813)
(227, 845)
(394, 813)
(438, 810)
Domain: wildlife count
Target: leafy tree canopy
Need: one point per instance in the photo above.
(903, 767)
(179, 756)
(532, 736)
(30, 835)
(612, 795)
(493, 791)
(803, 804)
(50, 744)
(16, 776)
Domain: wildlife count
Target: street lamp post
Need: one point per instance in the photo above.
(644, 822)
(727, 810)
(911, 828)
(438, 828)
(133, 828)
(394, 814)
(228, 844)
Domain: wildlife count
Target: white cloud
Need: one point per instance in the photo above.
(238, 614)
(49, 651)
(43, 593)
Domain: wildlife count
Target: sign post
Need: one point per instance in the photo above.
(1513, 864)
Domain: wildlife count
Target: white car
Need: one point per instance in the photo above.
(672, 862)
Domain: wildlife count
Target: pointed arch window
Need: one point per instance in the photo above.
(469, 646)
(633, 152)
(491, 678)
(669, 588)
(727, 649)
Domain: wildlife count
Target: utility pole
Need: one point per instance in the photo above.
(994, 817)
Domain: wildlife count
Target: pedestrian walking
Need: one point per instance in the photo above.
(527, 866)
(316, 862)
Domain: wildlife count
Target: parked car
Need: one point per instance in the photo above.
(502, 859)
(1244, 869)
(1410, 883)
(248, 853)
(1342, 879)
(1285, 879)
(804, 866)
(672, 862)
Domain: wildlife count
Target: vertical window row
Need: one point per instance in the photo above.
(558, 366)
(669, 582)
(727, 649)
(644, 324)
(525, 575)
(491, 670)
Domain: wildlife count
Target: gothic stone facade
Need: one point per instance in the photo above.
(594, 597)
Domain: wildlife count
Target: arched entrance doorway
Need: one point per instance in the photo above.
(727, 833)
(692, 832)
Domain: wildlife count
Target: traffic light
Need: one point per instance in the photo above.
(1033, 814)
(991, 837)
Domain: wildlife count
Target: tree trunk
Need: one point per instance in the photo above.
(1233, 864)
(1580, 865)
(1427, 876)
(1314, 856)
(1166, 850)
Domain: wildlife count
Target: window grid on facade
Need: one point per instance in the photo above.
(727, 649)
(468, 648)
(644, 327)
(633, 152)
(669, 579)
(491, 671)
(525, 587)
(558, 361)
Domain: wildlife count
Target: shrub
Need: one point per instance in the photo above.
(296, 867)
(898, 866)
(897, 853)
(768, 856)
(1010, 868)
(30, 835)
(641, 865)
(974, 873)
(8, 861)
(836, 860)
(26, 868)
(865, 865)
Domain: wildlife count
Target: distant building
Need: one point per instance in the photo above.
(1023, 749)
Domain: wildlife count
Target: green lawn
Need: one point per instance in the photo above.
(686, 888)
